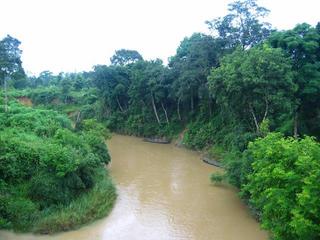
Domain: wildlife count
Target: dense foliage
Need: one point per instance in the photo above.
(302, 46)
(11, 70)
(45, 164)
(265, 76)
(282, 183)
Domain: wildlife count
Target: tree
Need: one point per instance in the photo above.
(190, 67)
(147, 90)
(302, 46)
(10, 56)
(45, 78)
(113, 84)
(283, 185)
(255, 84)
(242, 26)
(10, 62)
(123, 57)
(79, 83)
(154, 74)
(65, 89)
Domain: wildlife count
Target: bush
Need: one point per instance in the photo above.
(18, 155)
(21, 213)
(217, 177)
(198, 135)
(45, 164)
(44, 95)
(284, 185)
(91, 205)
(221, 130)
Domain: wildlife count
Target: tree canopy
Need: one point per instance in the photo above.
(124, 57)
(243, 24)
(10, 61)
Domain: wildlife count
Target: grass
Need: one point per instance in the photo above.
(90, 206)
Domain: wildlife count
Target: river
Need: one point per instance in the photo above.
(164, 193)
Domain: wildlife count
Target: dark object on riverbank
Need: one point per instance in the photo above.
(157, 140)
(210, 161)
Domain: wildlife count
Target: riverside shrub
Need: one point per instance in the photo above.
(45, 163)
(283, 185)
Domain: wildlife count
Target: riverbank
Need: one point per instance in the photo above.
(95, 204)
(83, 210)
(163, 192)
(52, 177)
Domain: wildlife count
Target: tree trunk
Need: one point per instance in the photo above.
(121, 109)
(77, 120)
(78, 117)
(165, 113)
(5, 94)
(254, 118)
(178, 108)
(155, 109)
(105, 111)
(295, 127)
(266, 110)
(192, 102)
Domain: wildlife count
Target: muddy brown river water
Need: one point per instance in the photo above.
(164, 193)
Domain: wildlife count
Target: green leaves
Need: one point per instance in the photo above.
(10, 59)
(284, 185)
(254, 85)
(44, 162)
(242, 26)
(302, 45)
(123, 57)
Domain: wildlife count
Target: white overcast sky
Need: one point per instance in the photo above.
(74, 35)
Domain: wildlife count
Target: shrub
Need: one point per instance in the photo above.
(45, 164)
(217, 177)
(284, 185)
(91, 205)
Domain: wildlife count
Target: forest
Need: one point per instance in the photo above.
(247, 94)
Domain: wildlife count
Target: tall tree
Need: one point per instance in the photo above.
(302, 45)
(123, 57)
(112, 83)
(10, 62)
(190, 67)
(242, 25)
(147, 91)
(10, 56)
(255, 85)
(45, 78)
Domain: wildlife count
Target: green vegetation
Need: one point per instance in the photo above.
(49, 170)
(91, 205)
(248, 94)
(52, 175)
(282, 183)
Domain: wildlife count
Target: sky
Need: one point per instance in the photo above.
(74, 35)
